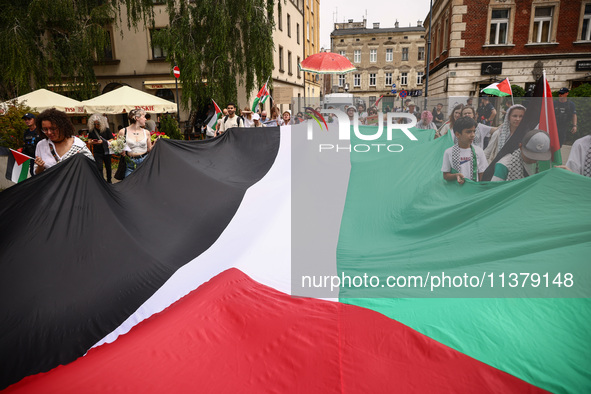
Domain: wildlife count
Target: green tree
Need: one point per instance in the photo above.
(12, 126)
(170, 126)
(221, 42)
(57, 41)
(518, 91)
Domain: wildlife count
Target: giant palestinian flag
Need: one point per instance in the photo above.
(177, 279)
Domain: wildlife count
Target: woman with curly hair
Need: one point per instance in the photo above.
(98, 136)
(58, 142)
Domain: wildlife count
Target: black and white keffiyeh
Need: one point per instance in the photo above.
(587, 164)
(455, 161)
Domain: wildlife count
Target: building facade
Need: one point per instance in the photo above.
(134, 60)
(289, 40)
(477, 42)
(311, 47)
(384, 57)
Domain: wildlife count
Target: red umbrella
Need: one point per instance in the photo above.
(327, 63)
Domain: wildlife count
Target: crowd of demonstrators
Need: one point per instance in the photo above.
(566, 115)
(498, 139)
(31, 136)
(98, 137)
(521, 163)
(464, 159)
(58, 141)
(138, 142)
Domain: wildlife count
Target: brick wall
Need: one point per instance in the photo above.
(567, 30)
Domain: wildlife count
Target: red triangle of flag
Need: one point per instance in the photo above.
(504, 86)
(19, 157)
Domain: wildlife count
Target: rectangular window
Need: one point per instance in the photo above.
(421, 53)
(404, 79)
(108, 52)
(404, 54)
(372, 100)
(341, 80)
(308, 31)
(298, 68)
(281, 58)
(298, 31)
(586, 30)
(445, 35)
(279, 19)
(388, 79)
(499, 25)
(342, 53)
(357, 80)
(357, 56)
(289, 70)
(373, 55)
(420, 78)
(389, 54)
(288, 25)
(372, 79)
(543, 24)
(312, 35)
(157, 51)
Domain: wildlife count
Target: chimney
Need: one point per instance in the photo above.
(376, 25)
(419, 23)
(350, 20)
(396, 24)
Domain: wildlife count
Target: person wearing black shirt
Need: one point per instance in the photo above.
(438, 117)
(486, 111)
(31, 136)
(98, 135)
(566, 115)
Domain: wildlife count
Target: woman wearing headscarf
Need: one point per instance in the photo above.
(58, 142)
(98, 136)
(512, 120)
(426, 122)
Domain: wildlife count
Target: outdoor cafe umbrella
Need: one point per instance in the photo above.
(42, 99)
(327, 63)
(126, 99)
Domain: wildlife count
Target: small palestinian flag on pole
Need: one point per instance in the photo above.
(17, 168)
(214, 118)
(548, 122)
(262, 96)
(500, 89)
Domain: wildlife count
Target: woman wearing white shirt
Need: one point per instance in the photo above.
(58, 141)
(137, 140)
